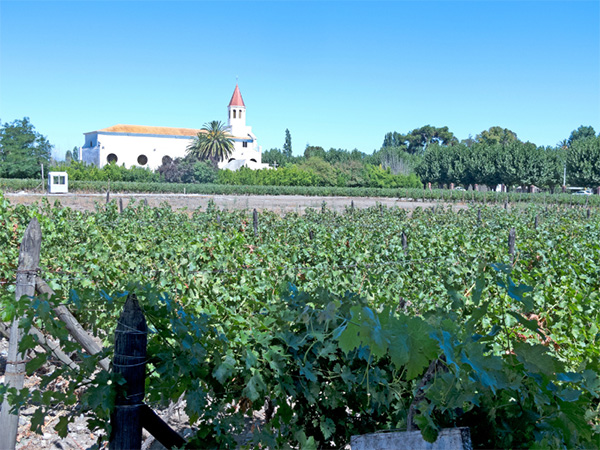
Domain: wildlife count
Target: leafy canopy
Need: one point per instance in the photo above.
(213, 143)
(22, 150)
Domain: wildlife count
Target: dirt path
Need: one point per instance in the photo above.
(277, 203)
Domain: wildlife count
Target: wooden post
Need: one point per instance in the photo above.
(129, 361)
(311, 235)
(14, 377)
(107, 196)
(536, 223)
(72, 325)
(589, 213)
(323, 207)
(506, 205)
(146, 202)
(479, 215)
(218, 219)
(255, 221)
(352, 206)
(512, 236)
(404, 244)
(120, 205)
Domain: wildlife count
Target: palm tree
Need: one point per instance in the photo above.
(212, 143)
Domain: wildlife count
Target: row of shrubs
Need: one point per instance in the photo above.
(15, 185)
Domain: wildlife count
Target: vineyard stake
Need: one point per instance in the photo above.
(405, 244)
(535, 225)
(255, 221)
(107, 196)
(512, 236)
(129, 361)
(120, 206)
(14, 377)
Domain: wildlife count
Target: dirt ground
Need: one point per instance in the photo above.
(278, 203)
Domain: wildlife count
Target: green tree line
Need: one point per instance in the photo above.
(426, 154)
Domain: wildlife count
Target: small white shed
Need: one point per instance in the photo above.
(58, 182)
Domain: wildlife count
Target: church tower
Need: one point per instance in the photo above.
(237, 112)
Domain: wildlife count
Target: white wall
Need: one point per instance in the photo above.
(128, 147)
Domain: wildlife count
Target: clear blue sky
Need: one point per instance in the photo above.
(336, 74)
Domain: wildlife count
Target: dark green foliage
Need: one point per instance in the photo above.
(22, 150)
(213, 143)
(80, 171)
(287, 145)
(238, 320)
(187, 170)
(417, 140)
(580, 133)
(583, 162)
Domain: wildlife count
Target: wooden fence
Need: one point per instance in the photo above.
(131, 414)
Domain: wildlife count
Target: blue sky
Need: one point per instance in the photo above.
(336, 74)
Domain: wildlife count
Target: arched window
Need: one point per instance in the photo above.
(231, 159)
(234, 113)
(253, 160)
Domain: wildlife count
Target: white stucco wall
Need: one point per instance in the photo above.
(128, 147)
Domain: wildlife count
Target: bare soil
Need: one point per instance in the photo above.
(281, 204)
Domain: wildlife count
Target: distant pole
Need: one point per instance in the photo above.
(131, 337)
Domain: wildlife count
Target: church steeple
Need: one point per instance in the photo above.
(237, 111)
(236, 98)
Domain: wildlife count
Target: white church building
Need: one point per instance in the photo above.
(136, 145)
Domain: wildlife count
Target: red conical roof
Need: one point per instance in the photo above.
(236, 98)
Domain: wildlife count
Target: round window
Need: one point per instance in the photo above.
(142, 160)
(112, 158)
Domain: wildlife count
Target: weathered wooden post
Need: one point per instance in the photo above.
(311, 235)
(14, 377)
(506, 205)
(512, 236)
(107, 196)
(479, 215)
(255, 221)
(404, 244)
(129, 361)
(218, 219)
(352, 206)
(120, 205)
(536, 223)
(589, 213)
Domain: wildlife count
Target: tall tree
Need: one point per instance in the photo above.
(417, 140)
(213, 143)
(497, 135)
(581, 133)
(583, 162)
(287, 145)
(22, 150)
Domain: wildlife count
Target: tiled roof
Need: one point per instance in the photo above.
(140, 129)
(236, 98)
(165, 131)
